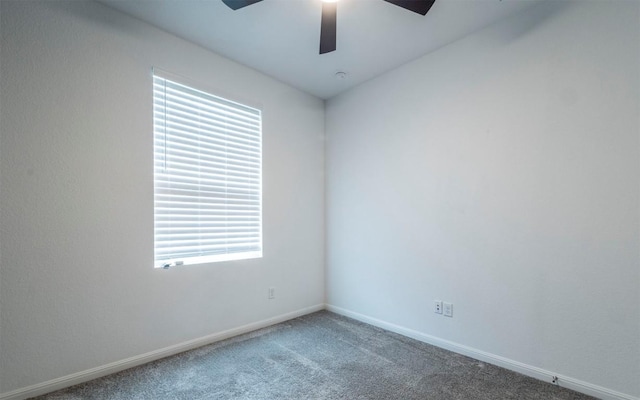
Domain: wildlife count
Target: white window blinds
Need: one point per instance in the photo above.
(207, 176)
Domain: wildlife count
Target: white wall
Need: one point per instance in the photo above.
(78, 289)
(500, 173)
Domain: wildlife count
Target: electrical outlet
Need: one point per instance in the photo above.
(448, 309)
(437, 306)
(272, 293)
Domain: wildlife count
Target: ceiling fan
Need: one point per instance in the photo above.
(328, 22)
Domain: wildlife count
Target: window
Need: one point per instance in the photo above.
(207, 176)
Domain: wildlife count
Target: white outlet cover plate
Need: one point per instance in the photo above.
(448, 309)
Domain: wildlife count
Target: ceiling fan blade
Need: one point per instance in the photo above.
(328, 27)
(236, 4)
(417, 6)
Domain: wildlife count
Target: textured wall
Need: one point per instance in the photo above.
(78, 288)
(500, 173)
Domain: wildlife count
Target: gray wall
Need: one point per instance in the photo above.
(500, 173)
(78, 288)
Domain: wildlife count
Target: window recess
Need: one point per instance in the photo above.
(207, 176)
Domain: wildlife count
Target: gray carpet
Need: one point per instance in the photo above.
(318, 356)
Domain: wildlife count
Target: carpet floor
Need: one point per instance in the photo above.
(320, 356)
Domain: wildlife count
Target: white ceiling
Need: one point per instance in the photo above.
(281, 37)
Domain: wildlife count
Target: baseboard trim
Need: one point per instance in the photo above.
(525, 369)
(97, 372)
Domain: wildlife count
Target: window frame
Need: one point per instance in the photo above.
(209, 94)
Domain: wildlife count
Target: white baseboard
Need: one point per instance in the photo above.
(93, 373)
(529, 370)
